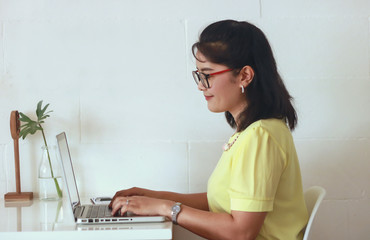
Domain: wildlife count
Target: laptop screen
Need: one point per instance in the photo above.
(69, 176)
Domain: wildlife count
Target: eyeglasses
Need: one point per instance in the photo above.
(203, 78)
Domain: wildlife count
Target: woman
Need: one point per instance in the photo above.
(255, 191)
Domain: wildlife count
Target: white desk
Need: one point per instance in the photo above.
(54, 220)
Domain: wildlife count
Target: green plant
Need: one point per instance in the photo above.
(31, 127)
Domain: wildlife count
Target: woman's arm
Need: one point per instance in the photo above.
(237, 225)
(194, 200)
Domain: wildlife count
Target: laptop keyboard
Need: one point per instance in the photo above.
(98, 211)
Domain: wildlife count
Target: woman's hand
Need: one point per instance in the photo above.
(139, 201)
(194, 200)
(132, 192)
(141, 205)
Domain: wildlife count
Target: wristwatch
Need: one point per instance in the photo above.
(176, 208)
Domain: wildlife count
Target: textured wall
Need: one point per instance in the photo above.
(117, 75)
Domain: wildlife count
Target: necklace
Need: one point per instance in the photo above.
(227, 146)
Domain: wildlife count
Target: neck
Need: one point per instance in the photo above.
(235, 113)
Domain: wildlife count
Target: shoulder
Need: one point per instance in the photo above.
(271, 130)
(265, 143)
(273, 126)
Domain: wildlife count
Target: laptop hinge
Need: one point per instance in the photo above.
(74, 204)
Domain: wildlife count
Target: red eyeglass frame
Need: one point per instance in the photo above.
(208, 75)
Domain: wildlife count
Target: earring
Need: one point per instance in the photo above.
(242, 87)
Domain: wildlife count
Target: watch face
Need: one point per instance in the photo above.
(176, 208)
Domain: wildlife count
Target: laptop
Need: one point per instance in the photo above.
(91, 214)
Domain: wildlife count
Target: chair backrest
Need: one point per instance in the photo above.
(313, 198)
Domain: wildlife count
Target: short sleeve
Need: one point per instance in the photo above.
(256, 169)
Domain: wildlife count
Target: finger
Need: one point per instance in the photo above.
(120, 204)
(112, 201)
(124, 193)
(116, 205)
(118, 194)
(124, 208)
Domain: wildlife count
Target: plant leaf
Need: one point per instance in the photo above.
(24, 132)
(43, 117)
(38, 110)
(34, 127)
(24, 118)
(48, 112)
(25, 126)
(31, 126)
(41, 112)
(44, 109)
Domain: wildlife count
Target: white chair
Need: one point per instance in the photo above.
(313, 198)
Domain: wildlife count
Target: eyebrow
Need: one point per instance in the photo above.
(205, 69)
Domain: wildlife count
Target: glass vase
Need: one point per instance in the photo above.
(50, 178)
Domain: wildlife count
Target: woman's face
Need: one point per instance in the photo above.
(224, 93)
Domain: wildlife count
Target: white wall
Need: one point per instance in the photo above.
(117, 75)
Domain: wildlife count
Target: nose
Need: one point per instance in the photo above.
(201, 87)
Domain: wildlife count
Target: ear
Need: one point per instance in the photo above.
(246, 75)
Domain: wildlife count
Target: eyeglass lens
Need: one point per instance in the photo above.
(199, 77)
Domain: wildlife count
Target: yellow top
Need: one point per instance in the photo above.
(261, 173)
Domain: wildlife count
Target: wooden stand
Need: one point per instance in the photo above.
(15, 129)
(21, 196)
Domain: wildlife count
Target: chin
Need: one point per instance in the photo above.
(215, 110)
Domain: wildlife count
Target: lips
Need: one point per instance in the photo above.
(208, 97)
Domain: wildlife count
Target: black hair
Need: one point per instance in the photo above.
(238, 44)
